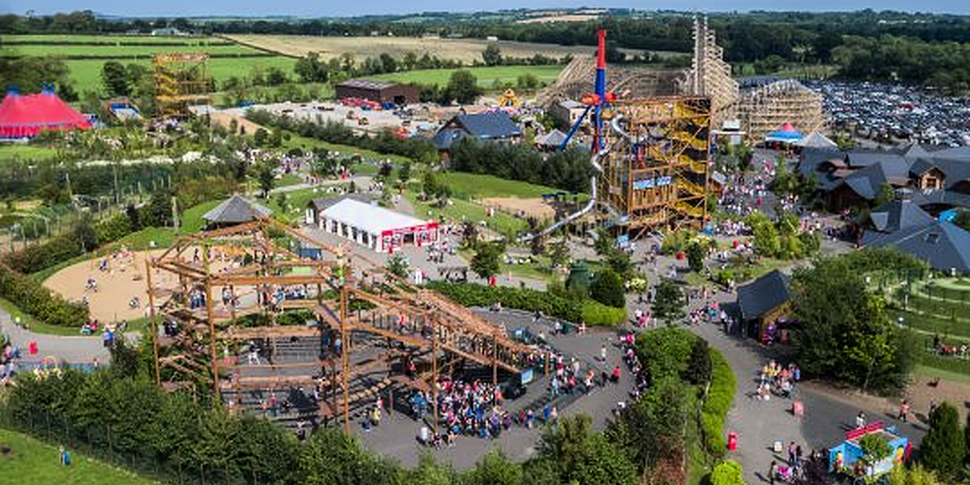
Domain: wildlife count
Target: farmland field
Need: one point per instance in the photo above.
(87, 73)
(465, 50)
(121, 51)
(112, 39)
(486, 75)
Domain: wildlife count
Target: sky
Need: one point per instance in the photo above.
(326, 8)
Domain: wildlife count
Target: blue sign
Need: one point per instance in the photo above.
(652, 183)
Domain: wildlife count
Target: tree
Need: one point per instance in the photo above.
(886, 195)
(699, 367)
(875, 448)
(608, 289)
(914, 475)
(578, 455)
(275, 76)
(695, 256)
(603, 243)
(495, 469)
(114, 78)
(158, 212)
(727, 473)
(265, 176)
(85, 234)
(668, 304)
(404, 173)
(485, 262)
(845, 333)
(559, 253)
(492, 55)
(462, 87)
(311, 69)
(943, 448)
(962, 219)
(398, 265)
(619, 261)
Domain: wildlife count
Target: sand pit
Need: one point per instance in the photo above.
(537, 208)
(121, 280)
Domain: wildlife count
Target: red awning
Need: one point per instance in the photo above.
(26, 116)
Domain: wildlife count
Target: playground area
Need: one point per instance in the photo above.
(538, 208)
(114, 285)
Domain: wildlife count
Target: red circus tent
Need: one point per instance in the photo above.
(26, 116)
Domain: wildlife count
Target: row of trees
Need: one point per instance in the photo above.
(568, 170)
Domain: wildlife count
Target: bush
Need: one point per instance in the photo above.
(608, 289)
(665, 353)
(943, 447)
(596, 313)
(39, 302)
(727, 473)
(470, 294)
(720, 398)
(66, 246)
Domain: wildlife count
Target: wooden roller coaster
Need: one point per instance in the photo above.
(354, 319)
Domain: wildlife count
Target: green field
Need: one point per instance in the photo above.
(486, 75)
(113, 39)
(475, 186)
(121, 51)
(87, 73)
(461, 210)
(20, 151)
(32, 462)
(307, 144)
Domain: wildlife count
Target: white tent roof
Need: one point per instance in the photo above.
(817, 140)
(369, 218)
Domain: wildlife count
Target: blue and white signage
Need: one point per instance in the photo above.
(652, 183)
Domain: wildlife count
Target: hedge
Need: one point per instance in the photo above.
(472, 294)
(720, 398)
(65, 246)
(596, 313)
(39, 302)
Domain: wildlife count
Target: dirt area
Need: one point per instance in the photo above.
(919, 393)
(466, 50)
(122, 279)
(224, 119)
(537, 208)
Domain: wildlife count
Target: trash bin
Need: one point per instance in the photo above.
(32, 347)
(732, 441)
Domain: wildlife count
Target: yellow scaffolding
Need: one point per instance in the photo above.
(181, 81)
(655, 172)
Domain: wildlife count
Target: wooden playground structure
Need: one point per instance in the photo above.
(336, 322)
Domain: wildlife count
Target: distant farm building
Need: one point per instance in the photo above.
(378, 91)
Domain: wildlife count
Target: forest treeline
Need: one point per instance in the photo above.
(865, 45)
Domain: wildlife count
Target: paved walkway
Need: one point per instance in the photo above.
(71, 349)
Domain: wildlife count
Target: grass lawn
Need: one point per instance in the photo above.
(461, 210)
(33, 462)
(475, 186)
(287, 180)
(306, 144)
(20, 151)
(946, 375)
(87, 73)
(36, 326)
(487, 76)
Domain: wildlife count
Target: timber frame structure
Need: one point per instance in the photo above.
(763, 109)
(655, 171)
(382, 322)
(181, 80)
(711, 76)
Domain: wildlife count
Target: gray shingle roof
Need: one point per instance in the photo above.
(489, 125)
(236, 210)
(444, 139)
(763, 295)
(898, 214)
(552, 139)
(941, 244)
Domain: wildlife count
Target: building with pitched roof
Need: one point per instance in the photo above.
(374, 227)
(378, 91)
(235, 210)
(763, 303)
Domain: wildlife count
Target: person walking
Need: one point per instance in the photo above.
(772, 471)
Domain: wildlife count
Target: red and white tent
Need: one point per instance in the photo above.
(24, 116)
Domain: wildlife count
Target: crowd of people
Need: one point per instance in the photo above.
(778, 380)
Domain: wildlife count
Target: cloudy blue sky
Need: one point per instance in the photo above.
(319, 8)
